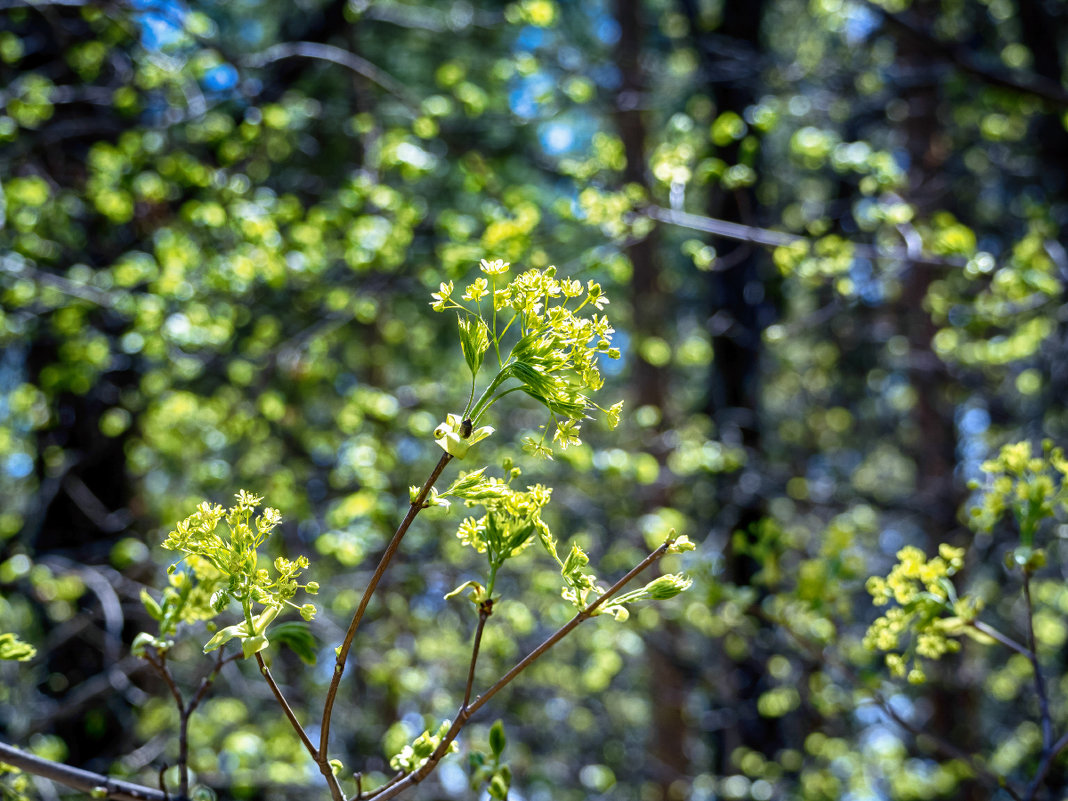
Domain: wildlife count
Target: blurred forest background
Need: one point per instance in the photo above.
(829, 232)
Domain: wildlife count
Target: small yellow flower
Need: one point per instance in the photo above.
(495, 267)
(477, 290)
(442, 296)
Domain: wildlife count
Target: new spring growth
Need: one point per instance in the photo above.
(11, 647)
(1031, 488)
(232, 558)
(555, 355)
(929, 612)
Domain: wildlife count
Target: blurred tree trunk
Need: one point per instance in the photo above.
(651, 308)
(741, 305)
(931, 438)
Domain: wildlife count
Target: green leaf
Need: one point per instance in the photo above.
(223, 636)
(298, 638)
(497, 739)
(253, 645)
(478, 592)
(137, 648)
(498, 787)
(474, 341)
(151, 605)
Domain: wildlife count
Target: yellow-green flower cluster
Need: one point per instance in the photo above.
(929, 612)
(914, 574)
(230, 562)
(512, 519)
(1030, 487)
(556, 356)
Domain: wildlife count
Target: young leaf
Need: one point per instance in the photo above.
(497, 739)
(298, 638)
(474, 341)
(151, 606)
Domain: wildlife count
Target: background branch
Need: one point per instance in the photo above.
(79, 779)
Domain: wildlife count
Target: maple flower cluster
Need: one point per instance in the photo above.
(556, 356)
(1031, 487)
(235, 557)
(928, 607)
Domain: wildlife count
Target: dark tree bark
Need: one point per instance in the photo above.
(932, 438)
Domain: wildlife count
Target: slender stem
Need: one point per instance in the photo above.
(159, 662)
(469, 709)
(1040, 679)
(1005, 640)
(946, 747)
(471, 397)
(1046, 763)
(207, 681)
(486, 408)
(346, 645)
(79, 779)
(485, 609)
(485, 400)
(281, 699)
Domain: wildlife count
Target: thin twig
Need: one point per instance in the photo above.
(208, 680)
(819, 656)
(485, 609)
(467, 710)
(160, 663)
(1040, 680)
(1004, 639)
(962, 56)
(84, 780)
(346, 645)
(770, 238)
(282, 702)
(1046, 763)
(342, 58)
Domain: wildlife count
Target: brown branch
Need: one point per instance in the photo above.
(208, 680)
(1040, 679)
(282, 702)
(84, 780)
(467, 710)
(1046, 763)
(485, 609)
(346, 645)
(185, 711)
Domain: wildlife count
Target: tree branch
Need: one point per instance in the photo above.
(962, 57)
(79, 779)
(1005, 640)
(769, 238)
(341, 57)
(467, 710)
(817, 654)
(281, 699)
(485, 609)
(346, 645)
